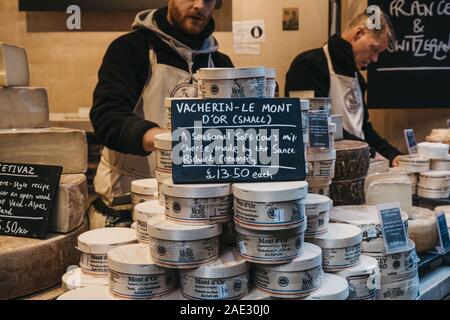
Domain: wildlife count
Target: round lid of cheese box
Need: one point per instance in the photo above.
(133, 259)
(271, 192)
(145, 186)
(339, 235)
(102, 240)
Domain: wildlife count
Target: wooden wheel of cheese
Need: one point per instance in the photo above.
(31, 265)
(348, 192)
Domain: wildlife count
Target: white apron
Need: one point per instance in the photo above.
(116, 170)
(347, 99)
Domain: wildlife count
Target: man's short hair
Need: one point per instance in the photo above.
(386, 27)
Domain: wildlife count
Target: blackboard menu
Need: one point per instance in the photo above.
(237, 140)
(27, 197)
(415, 73)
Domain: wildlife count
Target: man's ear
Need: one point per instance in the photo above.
(359, 32)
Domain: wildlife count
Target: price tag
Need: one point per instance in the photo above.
(394, 233)
(411, 142)
(444, 239)
(319, 135)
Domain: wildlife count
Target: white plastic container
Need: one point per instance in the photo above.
(433, 150)
(317, 209)
(94, 246)
(270, 247)
(198, 203)
(144, 190)
(341, 246)
(181, 246)
(134, 275)
(321, 165)
(333, 288)
(88, 293)
(271, 82)
(296, 279)
(76, 278)
(161, 177)
(143, 212)
(363, 279)
(232, 82)
(163, 145)
(223, 279)
(270, 206)
(414, 163)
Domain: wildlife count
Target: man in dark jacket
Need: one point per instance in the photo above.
(333, 71)
(140, 69)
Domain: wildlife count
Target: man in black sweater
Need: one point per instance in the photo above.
(333, 71)
(140, 69)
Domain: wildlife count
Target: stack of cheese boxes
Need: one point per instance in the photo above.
(26, 139)
(214, 238)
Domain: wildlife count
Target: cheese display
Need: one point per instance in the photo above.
(142, 212)
(70, 209)
(432, 150)
(30, 265)
(48, 146)
(414, 163)
(385, 177)
(387, 192)
(366, 218)
(13, 66)
(23, 108)
(226, 278)
(422, 230)
(143, 190)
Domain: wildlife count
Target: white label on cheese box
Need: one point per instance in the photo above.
(394, 234)
(444, 238)
(411, 141)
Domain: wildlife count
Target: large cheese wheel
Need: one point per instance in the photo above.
(23, 108)
(31, 265)
(71, 204)
(48, 146)
(381, 192)
(347, 192)
(13, 66)
(422, 229)
(352, 159)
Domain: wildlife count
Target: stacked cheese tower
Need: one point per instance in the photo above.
(25, 138)
(398, 273)
(208, 236)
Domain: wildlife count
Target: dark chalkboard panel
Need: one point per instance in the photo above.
(237, 140)
(416, 73)
(27, 197)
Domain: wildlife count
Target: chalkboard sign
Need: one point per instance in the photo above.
(416, 72)
(237, 140)
(393, 229)
(27, 197)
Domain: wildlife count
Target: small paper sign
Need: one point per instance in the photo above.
(411, 142)
(319, 135)
(394, 233)
(444, 238)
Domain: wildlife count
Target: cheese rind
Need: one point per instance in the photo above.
(13, 66)
(48, 146)
(31, 265)
(386, 192)
(23, 108)
(422, 230)
(69, 212)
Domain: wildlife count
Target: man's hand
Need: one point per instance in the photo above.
(148, 142)
(395, 162)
